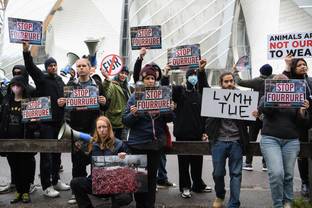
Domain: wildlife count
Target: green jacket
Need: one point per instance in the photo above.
(114, 93)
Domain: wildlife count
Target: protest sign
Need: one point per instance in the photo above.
(25, 30)
(243, 64)
(184, 57)
(113, 175)
(146, 36)
(36, 109)
(232, 104)
(112, 64)
(284, 93)
(297, 44)
(81, 98)
(154, 99)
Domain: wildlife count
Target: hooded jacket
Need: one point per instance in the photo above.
(29, 89)
(47, 85)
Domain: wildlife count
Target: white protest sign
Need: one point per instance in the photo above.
(297, 44)
(112, 64)
(232, 104)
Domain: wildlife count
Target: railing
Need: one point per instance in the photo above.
(178, 148)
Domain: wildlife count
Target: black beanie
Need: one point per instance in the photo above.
(190, 72)
(49, 61)
(266, 69)
(19, 80)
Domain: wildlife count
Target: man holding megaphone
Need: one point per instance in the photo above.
(82, 120)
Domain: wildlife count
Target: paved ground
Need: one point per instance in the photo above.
(255, 189)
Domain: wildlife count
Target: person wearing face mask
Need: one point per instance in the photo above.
(11, 127)
(48, 84)
(188, 107)
(297, 68)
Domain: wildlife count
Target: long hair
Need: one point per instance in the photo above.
(108, 141)
(293, 66)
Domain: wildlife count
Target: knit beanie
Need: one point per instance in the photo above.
(147, 70)
(49, 61)
(266, 69)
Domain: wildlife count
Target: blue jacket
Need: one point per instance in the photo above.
(118, 147)
(141, 126)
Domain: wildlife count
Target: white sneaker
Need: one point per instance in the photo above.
(50, 192)
(32, 188)
(287, 205)
(72, 200)
(60, 186)
(186, 193)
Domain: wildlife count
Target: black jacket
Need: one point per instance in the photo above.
(47, 85)
(282, 123)
(212, 129)
(188, 124)
(84, 120)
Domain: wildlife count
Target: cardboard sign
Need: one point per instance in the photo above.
(81, 98)
(25, 30)
(146, 36)
(243, 64)
(112, 64)
(156, 99)
(113, 175)
(284, 93)
(36, 109)
(297, 44)
(184, 57)
(232, 104)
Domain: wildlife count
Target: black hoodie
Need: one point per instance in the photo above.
(29, 89)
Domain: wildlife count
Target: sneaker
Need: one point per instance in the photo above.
(18, 198)
(165, 184)
(305, 190)
(264, 168)
(186, 194)
(218, 203)
(287, 205)
(32, 188)
(51, 192)
(72, 200)
(207, 189)
(60, 186)
(247, 167)
(25, 198)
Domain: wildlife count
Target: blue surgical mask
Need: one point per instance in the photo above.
(192, 79)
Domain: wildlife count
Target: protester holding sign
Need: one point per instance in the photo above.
(257, 84)
(118, 93)
(146, 136)
(229, 138)
(297, 69)
(102, 143)
(188, 107)
(12, 127)
(89, 116)
(280, 146)
(48, 84)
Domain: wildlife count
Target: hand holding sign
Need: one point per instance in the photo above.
(142, 52)
(25, 46)
(304, 107)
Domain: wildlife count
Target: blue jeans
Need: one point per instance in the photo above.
(280, 156)
(162, 172)
(220, 151)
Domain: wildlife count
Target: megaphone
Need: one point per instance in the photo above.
(66, 132)
(92, 47)
(72, 58)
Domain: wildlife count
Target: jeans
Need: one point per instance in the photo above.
(220, 151)
(280, 156)
(162, 172)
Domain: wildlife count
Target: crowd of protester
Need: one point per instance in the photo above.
(117, 128)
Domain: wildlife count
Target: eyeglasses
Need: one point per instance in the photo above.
(228, 81)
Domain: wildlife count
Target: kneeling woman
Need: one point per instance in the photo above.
(103, 143)
(280, 147)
